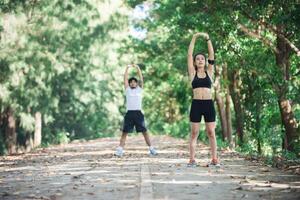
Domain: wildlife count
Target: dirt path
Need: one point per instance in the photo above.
(90, 171)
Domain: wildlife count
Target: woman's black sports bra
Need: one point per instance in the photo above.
(201, 82)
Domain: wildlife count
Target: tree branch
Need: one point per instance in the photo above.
(272, 29)
(258, 36)
(291, 45)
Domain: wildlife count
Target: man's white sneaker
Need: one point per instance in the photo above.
(152, 151)
(119, 152)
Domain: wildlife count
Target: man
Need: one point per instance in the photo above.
(134, 116)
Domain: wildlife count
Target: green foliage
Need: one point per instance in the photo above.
(289, 155)
(180, 129)
(221, 144)
(62, 138)
(59, 58)
(247, 148)
(64, 59)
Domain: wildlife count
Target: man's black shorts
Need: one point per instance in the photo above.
(134, 118)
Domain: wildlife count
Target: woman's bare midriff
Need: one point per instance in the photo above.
(202, 93)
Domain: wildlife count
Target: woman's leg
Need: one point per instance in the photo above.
(193, 139)
(210, 130)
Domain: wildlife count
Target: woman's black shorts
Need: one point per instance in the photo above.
(201, 107)
(134, 118)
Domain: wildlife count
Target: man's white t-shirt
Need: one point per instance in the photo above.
(134, 98)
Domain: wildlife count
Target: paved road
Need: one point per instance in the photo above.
(90, 171)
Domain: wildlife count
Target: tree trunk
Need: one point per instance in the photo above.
(220, 104)
(29, 142)
(10, 131)
(287, 116)
(289, 123)
(236, 99)
(38, 129)
(228, 119)
(258, 125)
(227, 110)
(284, 140)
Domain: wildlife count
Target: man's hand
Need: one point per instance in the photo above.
(135, 66)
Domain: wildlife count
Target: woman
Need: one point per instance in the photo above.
(202, 104)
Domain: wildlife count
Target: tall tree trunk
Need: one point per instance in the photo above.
(228, 118)
(258, 125)
(236, 99)
(220, 103)
(10, 131)
(38, 129)
(29, 142)
(284, 140)
(289, 123)
(287, 116)
(227, 109)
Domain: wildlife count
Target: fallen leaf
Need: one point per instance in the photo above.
(239, 188)
(237, 177)
(265, 170)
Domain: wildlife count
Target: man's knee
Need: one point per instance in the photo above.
(145, 133)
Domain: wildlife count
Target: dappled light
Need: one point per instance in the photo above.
(143, 99)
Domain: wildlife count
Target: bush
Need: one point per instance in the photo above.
(62, 138)
(180, 129)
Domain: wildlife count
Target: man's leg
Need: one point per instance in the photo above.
(152, 150)
(127, 127)
(147, 138)
(141, 127)
(119, 150)
(123, 139)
